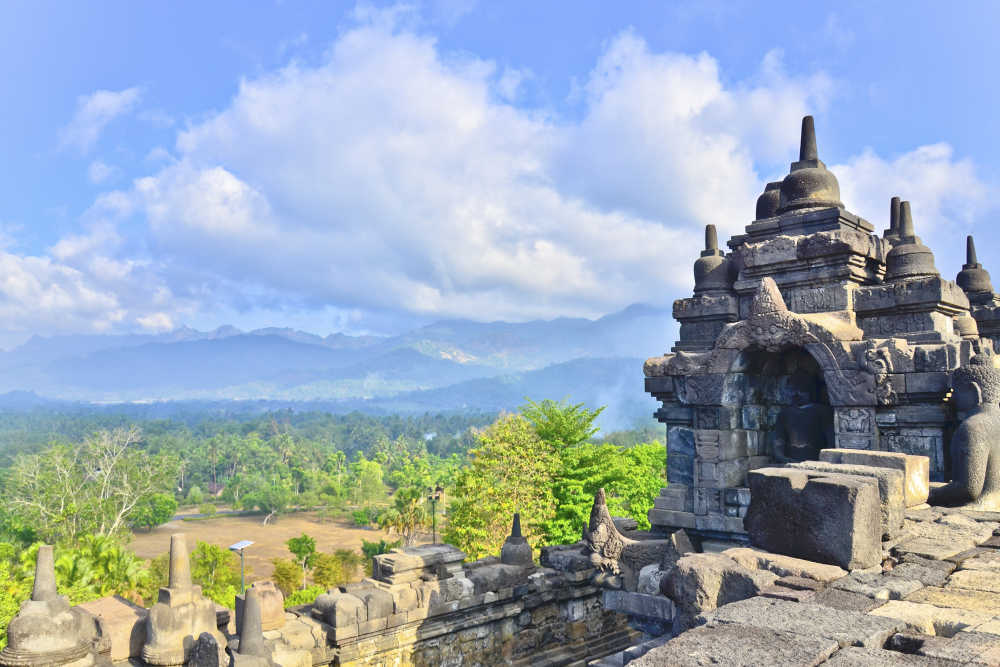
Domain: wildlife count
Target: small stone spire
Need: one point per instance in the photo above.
(711, 242)
(516, 550)
(180, 566)
(807, 142)
(973, 278)
(251, 627)
(909, 258)
(905, 228)
(808, 184)
(711, 270)
(44, 588)
(892, 234)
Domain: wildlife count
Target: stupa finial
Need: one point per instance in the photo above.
(44, 588)
(970, 252)
(807, 143)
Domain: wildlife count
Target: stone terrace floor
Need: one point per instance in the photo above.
(935, 602)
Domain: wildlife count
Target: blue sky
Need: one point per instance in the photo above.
(362, 167)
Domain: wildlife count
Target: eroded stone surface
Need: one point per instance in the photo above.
(826, 517)
(784, 566)
(845, 627)
(739, 645)
(929, 619)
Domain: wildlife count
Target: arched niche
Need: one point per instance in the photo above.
(782, 401)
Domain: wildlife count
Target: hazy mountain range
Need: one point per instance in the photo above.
(447, 365)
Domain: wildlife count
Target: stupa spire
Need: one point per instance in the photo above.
(807, 141)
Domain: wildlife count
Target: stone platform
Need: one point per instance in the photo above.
(934, 601)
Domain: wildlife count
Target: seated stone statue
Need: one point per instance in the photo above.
(975, 446)
(804, 427)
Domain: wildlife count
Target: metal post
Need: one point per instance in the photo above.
(434, 524)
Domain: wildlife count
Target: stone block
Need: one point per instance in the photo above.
(341, 609)
(933, 548)
(754, 417)
(710, 522)
(963, 648)
(855, 656)
(123, 622)
(844, 627)
(733, 445)
(927, 383)
(930, 619)
(705, 581)
(958, 598)
(927, 575)
(680, 441)
(890, 489)
(915, 469)
(639, 604)
(378, 603)
(817, 516)
(737, 645)
(784, 566)
(732, 473)
(846, 600)
(978, 580)
(680, 469)
(272, 606)
(669, 519)
(878, 586)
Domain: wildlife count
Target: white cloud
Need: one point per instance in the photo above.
(93, 113)
(98, 172)
(946, 194)
(391, 179)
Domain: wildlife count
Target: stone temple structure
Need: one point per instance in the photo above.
(811, 331)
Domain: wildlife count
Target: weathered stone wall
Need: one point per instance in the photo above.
(555, 619)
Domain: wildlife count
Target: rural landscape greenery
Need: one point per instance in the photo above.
(88, 483)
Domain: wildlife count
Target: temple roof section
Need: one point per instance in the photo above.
(807, 200)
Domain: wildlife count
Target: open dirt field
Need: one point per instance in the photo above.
(269, 540)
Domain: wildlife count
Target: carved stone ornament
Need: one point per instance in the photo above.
(879, 363)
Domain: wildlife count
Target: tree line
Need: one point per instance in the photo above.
(87, 490)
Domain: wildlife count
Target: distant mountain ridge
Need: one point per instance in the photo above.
(446, 365)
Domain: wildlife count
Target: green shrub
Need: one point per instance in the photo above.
(287, 575)
(207, 508)
(366, 516)
(307, 595)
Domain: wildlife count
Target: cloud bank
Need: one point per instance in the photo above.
(392, 177)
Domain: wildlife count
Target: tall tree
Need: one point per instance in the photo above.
(94, 487)
(511, 471)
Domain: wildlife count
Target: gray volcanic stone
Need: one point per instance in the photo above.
(890, 489)
(702, 582)
(739, 645)
(878, 586)
(966, 648)
(823, 517)
(845, 627)
(915, 468)
(856, 656)
(846, 600)
(926, 571)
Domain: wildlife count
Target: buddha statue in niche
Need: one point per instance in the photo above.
(805, 426)
(975, 446)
